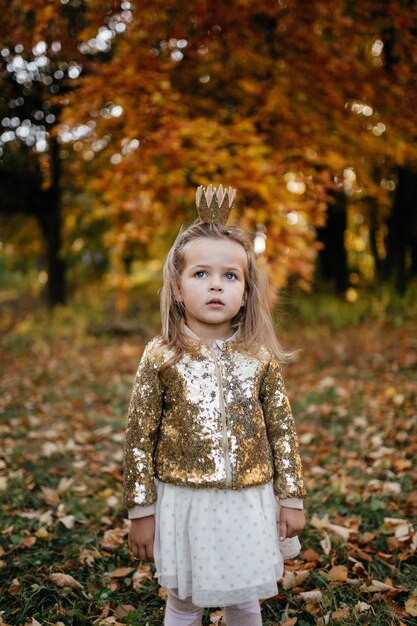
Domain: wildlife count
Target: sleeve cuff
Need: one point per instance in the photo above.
(141, 511)
(292, 503)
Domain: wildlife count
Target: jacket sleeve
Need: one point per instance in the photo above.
(288, 480)
(143, 420)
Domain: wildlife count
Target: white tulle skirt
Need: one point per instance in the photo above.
(219, 547)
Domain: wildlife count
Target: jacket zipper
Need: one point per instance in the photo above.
(224, 425)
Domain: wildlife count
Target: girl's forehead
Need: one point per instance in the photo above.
(205, 251)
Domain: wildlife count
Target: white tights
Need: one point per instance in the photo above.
(185, 613)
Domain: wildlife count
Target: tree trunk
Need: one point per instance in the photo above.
(333, 257)
(402, 229)
(50, 220)
(374, 225)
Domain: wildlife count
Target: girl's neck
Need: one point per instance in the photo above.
(207, 336)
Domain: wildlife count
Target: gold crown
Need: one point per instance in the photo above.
(214, 205)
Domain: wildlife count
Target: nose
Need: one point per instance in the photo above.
(216, 286)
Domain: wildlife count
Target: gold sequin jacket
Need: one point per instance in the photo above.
(210, 420)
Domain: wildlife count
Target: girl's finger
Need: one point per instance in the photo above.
(142, 553)
(282, 531)
(149, 552)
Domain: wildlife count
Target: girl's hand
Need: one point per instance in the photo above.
(291, 522)
(141, 537)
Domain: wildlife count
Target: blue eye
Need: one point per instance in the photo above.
(200, 274)
(230, 276)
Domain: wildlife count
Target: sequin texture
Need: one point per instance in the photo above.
(209, 421)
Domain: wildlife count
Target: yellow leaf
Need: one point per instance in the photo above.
(411, 605)
(339, 573)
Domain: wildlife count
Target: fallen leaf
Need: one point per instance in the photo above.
(411, 605)
(87, 556)
(324, 524)
(339, 573)
(216, 617)
(291, 621)
(123, 610)
(113, 539)
(50, 496)
(341, 613)
(64, 580)
(412, 499)
(163, 593)
(311, 596)
(376, 585)
(120, 572)
(362, 607)
(294, 579)
(28, 542)
(2, 622)
(326, 544)
(310, 555)
(64, 484)
(15, 587)
(142, 573)
(68, 521)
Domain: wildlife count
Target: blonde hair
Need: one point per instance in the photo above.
(253, 323)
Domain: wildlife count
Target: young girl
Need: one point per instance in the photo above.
(210, 439)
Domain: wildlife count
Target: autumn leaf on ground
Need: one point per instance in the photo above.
(123, 611)
(376, 585)
(68, 521)
(163, 593)
(142, 573)
(88, 556)
(120, 572)
(64, 580)
(411, 605)
(51, 496)
(315, 595)
(216, 617)
(113, 539)
(15, 587)
(324, 523)
(339, 573)
(362, 607)
(294, 579)
(2, 622)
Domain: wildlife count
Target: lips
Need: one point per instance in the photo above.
(216, 301)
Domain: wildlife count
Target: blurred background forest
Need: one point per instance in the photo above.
(112, 113)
